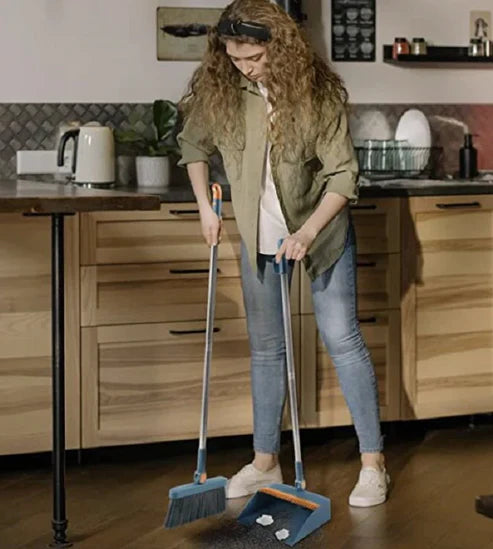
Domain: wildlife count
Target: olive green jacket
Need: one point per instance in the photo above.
(327, 164)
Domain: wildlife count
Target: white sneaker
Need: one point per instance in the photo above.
(249, 479)
(371, 488)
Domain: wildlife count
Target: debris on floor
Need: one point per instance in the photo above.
(282, 534)
(265, 520)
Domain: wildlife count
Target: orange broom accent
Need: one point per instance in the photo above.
(292, 499)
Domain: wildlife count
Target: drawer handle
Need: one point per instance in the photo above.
(191, 271)
(364, 207)
(189, 332)
(366, 264)
(459, 205)
(369, 320)
(184, 212)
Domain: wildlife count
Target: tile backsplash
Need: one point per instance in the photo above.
(478, 118)
(35, 125)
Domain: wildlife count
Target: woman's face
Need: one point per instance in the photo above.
(249, 59)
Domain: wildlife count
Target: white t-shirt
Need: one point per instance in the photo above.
(271, 222)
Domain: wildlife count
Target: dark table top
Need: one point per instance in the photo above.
(182, 191)
(47, 198)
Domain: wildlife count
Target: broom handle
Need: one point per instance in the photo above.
(200, 474)
(282, 269)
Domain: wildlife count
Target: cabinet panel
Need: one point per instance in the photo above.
(173, 234)
(377, 225)
(143, 383)
(25, 334)
(448, 366)
(323, 403)
(163, 292)
(378, 283)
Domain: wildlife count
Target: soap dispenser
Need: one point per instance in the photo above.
(468, 159)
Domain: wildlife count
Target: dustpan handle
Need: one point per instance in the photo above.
(282, 269)
(200, 473)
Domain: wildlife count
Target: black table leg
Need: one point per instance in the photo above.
(59, 521)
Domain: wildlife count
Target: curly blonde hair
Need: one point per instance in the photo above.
(298, 80)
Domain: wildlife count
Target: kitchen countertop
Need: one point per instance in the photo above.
(181, 189)
(50, 198)
(374, 189)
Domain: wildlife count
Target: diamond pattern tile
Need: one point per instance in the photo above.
(34, 126)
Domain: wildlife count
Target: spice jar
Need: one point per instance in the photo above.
(486, 47)
(419, 46)
(401, 47)
(476, 47)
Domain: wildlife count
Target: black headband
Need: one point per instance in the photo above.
(228, 27)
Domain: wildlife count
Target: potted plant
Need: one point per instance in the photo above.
(153, 147)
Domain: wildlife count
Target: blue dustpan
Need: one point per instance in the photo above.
(292, 507)
(297, 510)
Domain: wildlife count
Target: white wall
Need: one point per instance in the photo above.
(87, 51)
(105, 51)
(442, 22)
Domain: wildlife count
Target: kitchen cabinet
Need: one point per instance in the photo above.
(447, 306)
(25, 334)
(377, 227)
(136, 289)
(144, 284)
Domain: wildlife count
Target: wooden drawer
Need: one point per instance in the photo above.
(142, 383)
(162, 292)
(171, 234)
(377, 225)
(378, 283)
(323, 403)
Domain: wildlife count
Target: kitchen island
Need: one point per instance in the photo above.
(136, 292)
(56, 202)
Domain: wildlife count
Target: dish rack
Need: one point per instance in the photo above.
(398, 161)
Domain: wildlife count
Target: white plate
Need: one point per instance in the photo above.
(414, 128)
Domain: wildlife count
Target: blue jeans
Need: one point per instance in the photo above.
(334, 301)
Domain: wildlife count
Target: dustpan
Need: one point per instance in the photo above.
(298, 511)
(292, 507)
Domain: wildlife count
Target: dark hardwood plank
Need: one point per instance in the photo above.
(121, 504)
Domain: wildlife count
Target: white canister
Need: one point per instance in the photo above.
(153, 171)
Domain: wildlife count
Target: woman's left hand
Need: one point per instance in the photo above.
(296, 245)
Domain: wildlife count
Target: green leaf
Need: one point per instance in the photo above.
(128, 136)
(165, 115)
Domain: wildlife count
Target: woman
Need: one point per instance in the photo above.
(276, 113)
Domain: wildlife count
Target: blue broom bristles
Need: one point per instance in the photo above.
(194, 501)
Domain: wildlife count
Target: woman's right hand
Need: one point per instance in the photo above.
(211, 226)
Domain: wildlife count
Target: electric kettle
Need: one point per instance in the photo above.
(93, 161)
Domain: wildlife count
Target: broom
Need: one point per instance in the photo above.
(203, 497)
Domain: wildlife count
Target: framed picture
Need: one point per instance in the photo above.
(353, 30)
(182, 32)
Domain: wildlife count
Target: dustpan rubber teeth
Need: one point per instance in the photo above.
(292, 499)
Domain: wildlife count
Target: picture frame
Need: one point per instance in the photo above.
(182, 32)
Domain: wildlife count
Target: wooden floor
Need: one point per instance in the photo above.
(121, 503)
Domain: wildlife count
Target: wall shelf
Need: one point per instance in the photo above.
(438, 57)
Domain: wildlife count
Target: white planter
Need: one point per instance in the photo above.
(152, 171)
